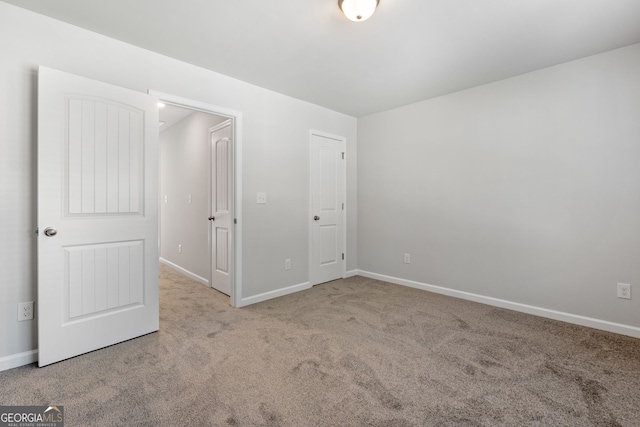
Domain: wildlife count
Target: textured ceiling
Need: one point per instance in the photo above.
(410, 50)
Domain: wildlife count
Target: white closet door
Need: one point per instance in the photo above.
(327, 209)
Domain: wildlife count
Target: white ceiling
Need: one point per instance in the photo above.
(408, 51)
(169, 115)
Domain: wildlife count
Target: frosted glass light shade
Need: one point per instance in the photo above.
(358, 10)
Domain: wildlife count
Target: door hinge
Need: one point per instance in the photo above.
(37, 231)
(343, 256)
(235, 221)
(343, 155)
(343, 206)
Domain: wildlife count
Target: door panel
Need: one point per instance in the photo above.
(97, 187)
(103, 277)
(329, 244)
(222, 206)
(327, 201)
(103, 161)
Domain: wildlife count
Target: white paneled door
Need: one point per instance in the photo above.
(221, 218)
(97, 215)
(327, 208)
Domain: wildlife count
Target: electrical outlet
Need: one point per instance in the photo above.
(189, 199)
(179, 249)
(287, 264)
(624, 291)
(407, 258)
(25, 311)
(261, 198)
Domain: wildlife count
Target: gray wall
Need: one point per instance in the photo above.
(526, 190)
(184, 170)
(275, 156)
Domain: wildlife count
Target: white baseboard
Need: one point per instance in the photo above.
(17, 360)
(273, 294)
(185, 272)
(604, 325)
(350, 273)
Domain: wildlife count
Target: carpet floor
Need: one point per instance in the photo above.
(353, 352)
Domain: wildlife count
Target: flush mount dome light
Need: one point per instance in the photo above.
(358, 10)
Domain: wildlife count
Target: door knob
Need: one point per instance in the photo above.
(212, 218)
(316, 218)
(50, 231)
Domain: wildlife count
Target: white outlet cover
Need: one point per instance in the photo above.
(25, 311)
(624, 291)
(261, 198)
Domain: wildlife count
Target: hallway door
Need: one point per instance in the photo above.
(222, 218)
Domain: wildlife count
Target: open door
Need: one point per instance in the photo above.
(221, 217)
(97, 215)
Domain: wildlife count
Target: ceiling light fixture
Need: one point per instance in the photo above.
(358, 10)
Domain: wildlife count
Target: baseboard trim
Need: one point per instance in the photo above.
(18, 359)
(350, 273)
(273, 294)
(604, 325)
(185, 272)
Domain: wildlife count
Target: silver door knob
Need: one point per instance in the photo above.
(316, 218)
(212, 218)
(50, 231)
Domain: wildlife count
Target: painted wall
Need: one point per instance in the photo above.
(275, 156)
(184, 171)
(525, 190)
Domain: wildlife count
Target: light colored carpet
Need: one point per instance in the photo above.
(354, 352)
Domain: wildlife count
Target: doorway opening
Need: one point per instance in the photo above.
(198, 215)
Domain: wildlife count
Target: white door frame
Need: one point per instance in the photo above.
(313, 132)
(236, 117)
